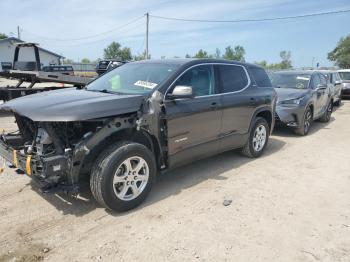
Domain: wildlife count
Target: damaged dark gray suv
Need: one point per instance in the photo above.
(137, 120)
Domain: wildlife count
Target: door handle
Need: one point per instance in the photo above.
(214, 105)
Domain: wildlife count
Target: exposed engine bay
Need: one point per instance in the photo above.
(48, 146)
(49, 138)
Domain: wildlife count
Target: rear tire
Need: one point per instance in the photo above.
(327, 115)
(123, 175)
(258, 138)
(304, 128)
(338, 103)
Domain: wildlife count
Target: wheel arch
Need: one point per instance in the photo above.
(127, 134)
(266, 113)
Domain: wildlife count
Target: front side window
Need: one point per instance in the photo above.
(315, 81)
(232, 78)
(323, 79)
(200, 78)
(133, 78)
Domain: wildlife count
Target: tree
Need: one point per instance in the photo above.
(68, 61)
(114, 51)
(263, 64)
(3, 36)
(286, 63)
(217, 53)
(341, 53)
(237, 53)
(201, 54)
(142, 56)
(86, 61)
(187, 56)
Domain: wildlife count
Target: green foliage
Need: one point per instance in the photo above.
(341, 54)
(286, 62)
(3, 36)
(86, 61)
(201, 54)
(67, 61)
(217, 53)
(237, 53)
(142, 56)
(114, 51)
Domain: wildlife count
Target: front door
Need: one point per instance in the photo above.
(318, 95)
(193, 124)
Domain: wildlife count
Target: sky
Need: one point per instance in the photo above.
(80, 29)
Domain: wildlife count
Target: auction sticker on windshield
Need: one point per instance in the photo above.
(145, 84)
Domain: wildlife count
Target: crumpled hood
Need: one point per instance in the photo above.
(290, 93)
(71, 104)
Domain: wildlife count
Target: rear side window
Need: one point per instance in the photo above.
(260, 77)
(232, 78)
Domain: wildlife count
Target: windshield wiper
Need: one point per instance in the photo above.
(106, 91)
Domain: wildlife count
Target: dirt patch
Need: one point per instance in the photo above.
(25, 253)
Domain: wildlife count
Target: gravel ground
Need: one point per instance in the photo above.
(292, 204)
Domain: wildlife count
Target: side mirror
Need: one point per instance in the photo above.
(321, 87)
(181, 92)
(337, 83)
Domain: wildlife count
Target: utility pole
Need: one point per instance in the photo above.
(18, 33)
(147, 27)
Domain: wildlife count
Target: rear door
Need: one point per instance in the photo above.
(238, 104)
(193, 124)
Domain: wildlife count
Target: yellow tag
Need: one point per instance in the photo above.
(28, 167)
(15, 160)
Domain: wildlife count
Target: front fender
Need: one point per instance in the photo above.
(86, 147)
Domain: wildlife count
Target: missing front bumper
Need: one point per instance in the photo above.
(49, 173)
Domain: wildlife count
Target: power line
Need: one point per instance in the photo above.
(137, 26)
(251, 20)
(87, 37)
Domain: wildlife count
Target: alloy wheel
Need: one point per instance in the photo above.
(131, 178)
(259, 138)
(329, 111)
(307, 121)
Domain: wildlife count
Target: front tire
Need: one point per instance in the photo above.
(304, 129)
(258, 138)
(338, 103)
(326, 117)
(122, 176)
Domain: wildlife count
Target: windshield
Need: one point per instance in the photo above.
(133, 78)
(284, 80)
(344, 75)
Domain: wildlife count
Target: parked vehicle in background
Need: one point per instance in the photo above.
(335, 83)
(302, 96)
(137, 120)
(63, 69)
(107, 65)
(345, 78)
(5, 66)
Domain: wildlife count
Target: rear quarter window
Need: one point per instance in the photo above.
(260, 76)
(232, 78)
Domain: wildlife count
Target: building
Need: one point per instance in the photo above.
(7, 50)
